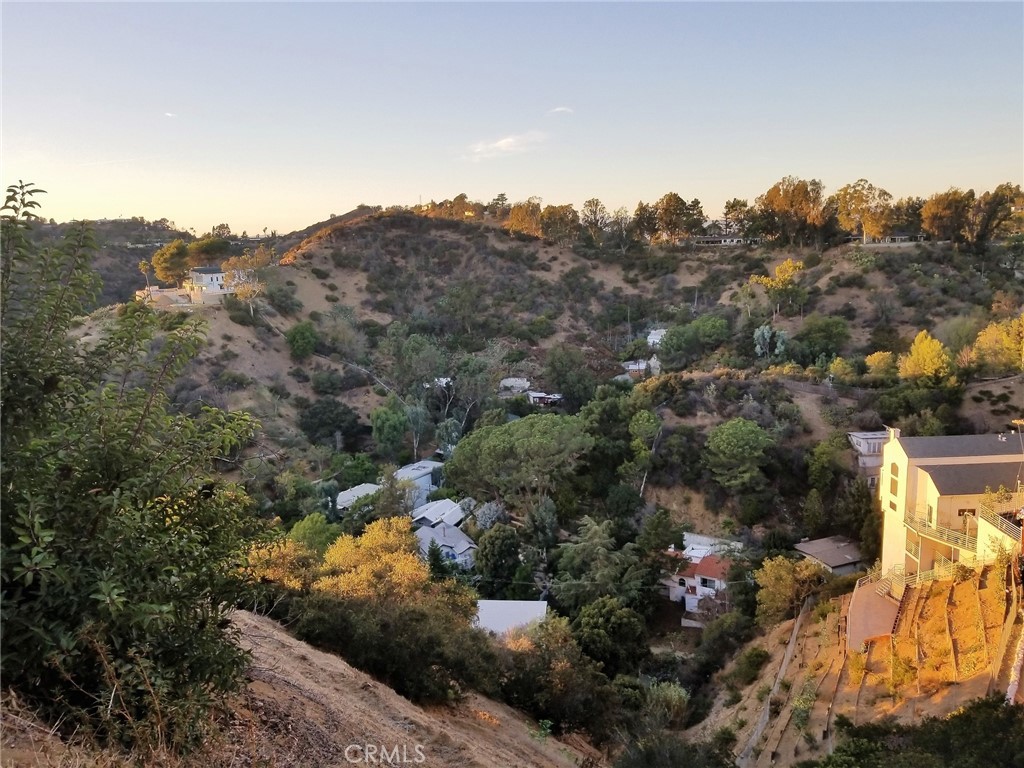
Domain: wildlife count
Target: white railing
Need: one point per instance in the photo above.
(923, 527)
(1001, 524)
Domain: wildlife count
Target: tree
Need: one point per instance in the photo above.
(594, 219)
(863, 207)
(987, 213)
(944, 214)
(170, 263)
(566, 371)
(244, 274)
(440, 567)
(782, 288)
(524, 218)
(882, 366)
(315, 533)
(645, 221)
(678, 218)
(144, 268)
(737, 216)
(592, 567)
(794, 209)
(381, 564)
(927, 358)
(782, 586)
(329, 421)
(302, 339)
(735, 452)
(1000, 346)
(389, 424)
(560, 224)
(120, 556)
(612, 633)
(497, 560)
(521, 461)
(207, 250)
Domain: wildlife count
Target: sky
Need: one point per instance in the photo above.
(265, 115)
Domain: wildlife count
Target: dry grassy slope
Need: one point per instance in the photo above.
(303, 708)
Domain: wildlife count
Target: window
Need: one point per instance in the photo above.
(894, 470)
(872, 483)
(894, 487)
(707, 583)
(892, 505)
(968, 512)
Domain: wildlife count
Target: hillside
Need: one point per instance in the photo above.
(304, 708)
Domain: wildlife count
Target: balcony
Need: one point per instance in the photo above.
(914, 549)
(1004, 525)
(922, 527)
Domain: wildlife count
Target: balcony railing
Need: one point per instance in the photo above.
(940, 533)
(914, 549)
(1004, 526)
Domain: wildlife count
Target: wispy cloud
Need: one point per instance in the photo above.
(170, 114)
(508, 145)
(561, 111)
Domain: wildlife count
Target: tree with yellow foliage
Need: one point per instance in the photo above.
(382, 563)
(783, 286)
(1000, 346)
(285, 562)
(927, 358)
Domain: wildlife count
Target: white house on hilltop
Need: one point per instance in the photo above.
(455, 545)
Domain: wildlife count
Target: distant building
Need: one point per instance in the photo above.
(455, 545)
(348, 498)
(421, 474)
(868, 446)
(207, 285)
(836, 554)
(654, 337)
(440, 511)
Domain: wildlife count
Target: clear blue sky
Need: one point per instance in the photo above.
(274, 115)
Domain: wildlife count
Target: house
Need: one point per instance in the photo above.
(440, 511)
(348, 498)
(704, 563)
(455, 545)
(206, 285)
(700, 579)
(936, 511)
(500, 616)
(421, 475)
(868, 446)
(836, 554)
(542, 398)
(654, 337)
(635, 369)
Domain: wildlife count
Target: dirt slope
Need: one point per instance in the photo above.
(309, 707)
(304, 708)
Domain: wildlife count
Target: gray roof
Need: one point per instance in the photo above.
(952, 446)
(350, 496)
(207, 270)
(499, 616)
(962, 479)
(446, 536)
(833, 551)
(442, 510)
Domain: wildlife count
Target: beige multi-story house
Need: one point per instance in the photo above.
(941, 504)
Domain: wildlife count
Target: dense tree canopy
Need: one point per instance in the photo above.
(119, 555)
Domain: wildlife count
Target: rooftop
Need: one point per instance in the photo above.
(962, 479)
(446, 536)
(442, 510)
(349, 497)
(417, 470)
(953, 446)
(833, 551)
(207, 270)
